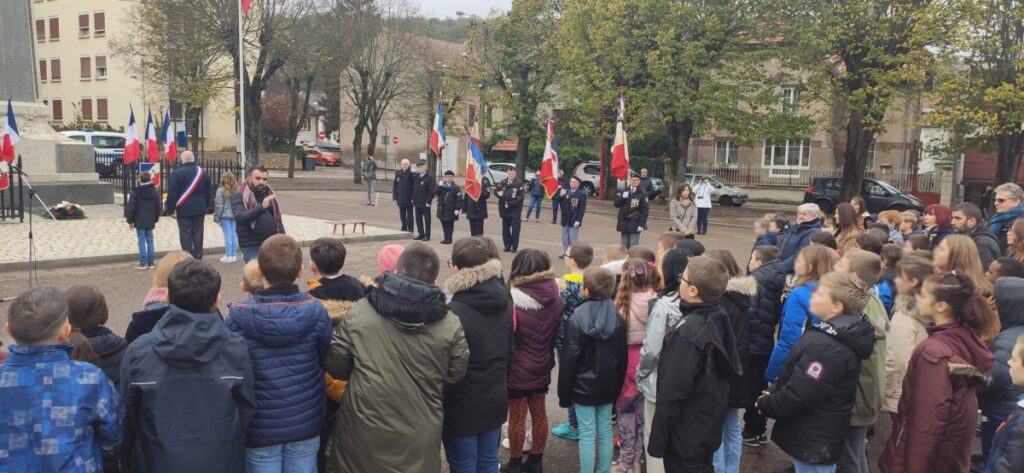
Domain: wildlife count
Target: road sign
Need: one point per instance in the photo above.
(394, 140)
(323, 135)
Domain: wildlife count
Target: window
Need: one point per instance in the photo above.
(791, 100)
(42, 70)
(55, 70)
(726, 153)
(83, 25)
(54, 29)
(787, 158)
(592, 169)
(87, 109)
(874, 188)
(86, 62)
(101, 110)
(40, 30)
(305, 124)
(870, 163)
(101, 67)
(177, 110)
(115, 142)
(99, 23)
(58, 110)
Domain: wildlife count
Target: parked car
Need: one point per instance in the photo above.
(325, 156)
(109, 149)
(499, 172)
(589, 174)
(723, 192)
(879, 195)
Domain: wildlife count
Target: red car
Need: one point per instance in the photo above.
(325, 156)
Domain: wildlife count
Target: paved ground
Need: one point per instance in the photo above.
(125, 287)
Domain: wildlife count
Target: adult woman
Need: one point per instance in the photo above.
(683, 212)
(958, 253)
(222, 214)
(702, 195)
(846, 225)
(863, 216)
(538, 308)
(369, 172)
(1015, 240)
(938, 220)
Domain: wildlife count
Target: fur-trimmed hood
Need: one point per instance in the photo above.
(970, 373)
(745, 285)
(521, 280)
(469, 277)
(535, 291)
(337, 309)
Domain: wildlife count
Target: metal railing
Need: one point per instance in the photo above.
(123, 176)
(12, 199)
(746, 175)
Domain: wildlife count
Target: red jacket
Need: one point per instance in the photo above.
(938, 412)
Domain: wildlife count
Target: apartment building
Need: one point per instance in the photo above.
(77, 74)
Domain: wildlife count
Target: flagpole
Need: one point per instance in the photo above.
(241, 89)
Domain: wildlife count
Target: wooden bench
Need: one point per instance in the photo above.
(361, 224)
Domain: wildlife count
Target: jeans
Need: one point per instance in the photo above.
(629, 240)
(423, 222)
(250, 253)
(473, 453)
(595, 425)
(702, 221)
(291, 457)
(371, 188)
(727, 457)
(569, 235)
(802, 467)
(853, 458)
(230, 237)
(405, 214)
(510, 228)
(146, 250)
(631, 429)
(190, 234)
(654, 465)
(535, 201)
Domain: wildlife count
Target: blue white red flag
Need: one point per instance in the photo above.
(152, 148)
(131, 141)
(167, 135)
(437, 138)
(11, 136)
(549, 166)
(476, 164)
(620, 147)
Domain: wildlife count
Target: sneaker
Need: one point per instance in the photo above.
(142, 266)
(755, 440)
(225, 259)
(152, 266)
(566, 432)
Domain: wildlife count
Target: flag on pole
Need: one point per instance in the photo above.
(620, 147)
(437, 133)
(131, 141)
(167, 135)
(246, 4)
(549, 166)
(11, 136)
(152, 148)
(476, 164)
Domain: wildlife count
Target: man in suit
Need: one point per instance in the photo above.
(188, 198)
(449, 203)
(633, 210)
(401, 193)
(422, 194)
(510, 194)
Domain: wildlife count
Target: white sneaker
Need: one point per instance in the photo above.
(526, 445)
(233, 259)
(225, 259)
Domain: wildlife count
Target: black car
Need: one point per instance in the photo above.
(879, 196)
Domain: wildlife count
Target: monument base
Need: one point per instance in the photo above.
(80, 192)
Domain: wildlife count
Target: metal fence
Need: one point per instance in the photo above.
(123, 176)
(12, 199)
(799, 178)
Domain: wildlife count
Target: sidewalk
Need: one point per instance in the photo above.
(104, 237)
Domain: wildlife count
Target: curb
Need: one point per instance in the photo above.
(214, 250)
(665, 219)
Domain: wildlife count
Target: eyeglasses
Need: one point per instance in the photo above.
(999, 201)
(681, 278)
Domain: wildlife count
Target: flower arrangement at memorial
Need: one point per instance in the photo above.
(67, 211)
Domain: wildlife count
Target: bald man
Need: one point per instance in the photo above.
(189, 197)
(401, 193)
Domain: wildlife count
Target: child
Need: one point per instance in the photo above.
(614, 256)
(868, 241)
(892, 220)
(635, 292)
(222, 215)
(87, 313)
(252, 282)
(1000, 397)
(594, 367)
(917, 241)
(770, 276)
(581, 254)
(1004, 267)
(778, 226)
(699, 357)
(86, 416)
(812, 399)
(762, 234)
(891, 255)
(909, 221)
(825, 239)
(907, 327)
(867, 267)
(944, 374)
(190, 368)
(1007, 454)
(667, 241)
(155, 304)
(288, 334)
(811, 264)
(142, 213)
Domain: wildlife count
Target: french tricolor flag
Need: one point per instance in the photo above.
(11, 136)
(152, 148)
(131, 141)
(167, 135)
(437, 138)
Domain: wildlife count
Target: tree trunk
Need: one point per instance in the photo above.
(679, 133)
(357, 159)
(194, 115)
(1010, 148)
(609, 180)
(522, 152)
(858, 138)
(253, 115)
(371, 146)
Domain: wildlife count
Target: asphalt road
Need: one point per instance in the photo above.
(125, 287)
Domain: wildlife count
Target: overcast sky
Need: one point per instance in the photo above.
(447, 8)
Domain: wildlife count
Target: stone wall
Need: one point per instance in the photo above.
(273, 161)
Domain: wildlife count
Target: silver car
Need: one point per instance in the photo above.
(498, 172)
(589, 174)
(724, 192)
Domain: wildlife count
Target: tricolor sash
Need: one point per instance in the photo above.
(191, 187)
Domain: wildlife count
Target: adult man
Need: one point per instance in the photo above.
(398, 348)
(967, 220)
(556, 198)
(1009, 203)
(647, 185)
(370, 178)
(574, 207)
(702, 195)
(449, 203)
(536, 197)
(189, 197)
(422, 194)
(510, 207)
(633, 209)
(257, 212)
(401, 193)
(808, 223)
(476, 211)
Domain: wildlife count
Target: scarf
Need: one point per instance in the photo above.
(1004, 220)
(250, 201)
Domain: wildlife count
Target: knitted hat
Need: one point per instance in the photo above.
(387, 259)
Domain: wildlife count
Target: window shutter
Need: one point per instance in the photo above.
(54, 29)
(101, 67)
(101, 110)
(83, 24)
(99, 22)
(42, 69)
(55, 69)
(40, 30)
(86, 67)
(58, 109)
(87, 109)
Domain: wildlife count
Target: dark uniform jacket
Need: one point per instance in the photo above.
(510, 199)
(449, 201)
(574, 206)
(633, 210)
(476, 209)
(423, 190)
(401, 188)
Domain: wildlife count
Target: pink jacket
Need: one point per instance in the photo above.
(639, 306)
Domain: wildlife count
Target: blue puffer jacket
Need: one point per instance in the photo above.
(289, 334)
(796, 316)
(797, 237)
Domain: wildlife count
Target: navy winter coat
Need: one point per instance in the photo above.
(771, 279)
(574, 206)
(797, 237)
(288, 334)
(999, 399)
(110, 348)
(401, 189)
(198, 201)
(143, 209)
(769, 239)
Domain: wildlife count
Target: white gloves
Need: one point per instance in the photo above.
(625, 194)
(639, 229)
(577, 224)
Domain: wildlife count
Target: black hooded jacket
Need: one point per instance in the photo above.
(988, 245)
(739, 302)
(188, 390)
(476, 209)
(110, 348)
(341, 288)
(817, 387)
(593, 364)
(697, 361)
(999, 399)
(771, 280)
(143, 208)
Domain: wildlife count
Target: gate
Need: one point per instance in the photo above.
(12, 199)
(123, 176)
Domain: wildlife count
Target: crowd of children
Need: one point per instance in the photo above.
(677, 357)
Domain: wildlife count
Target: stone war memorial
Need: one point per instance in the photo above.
(58, 168)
